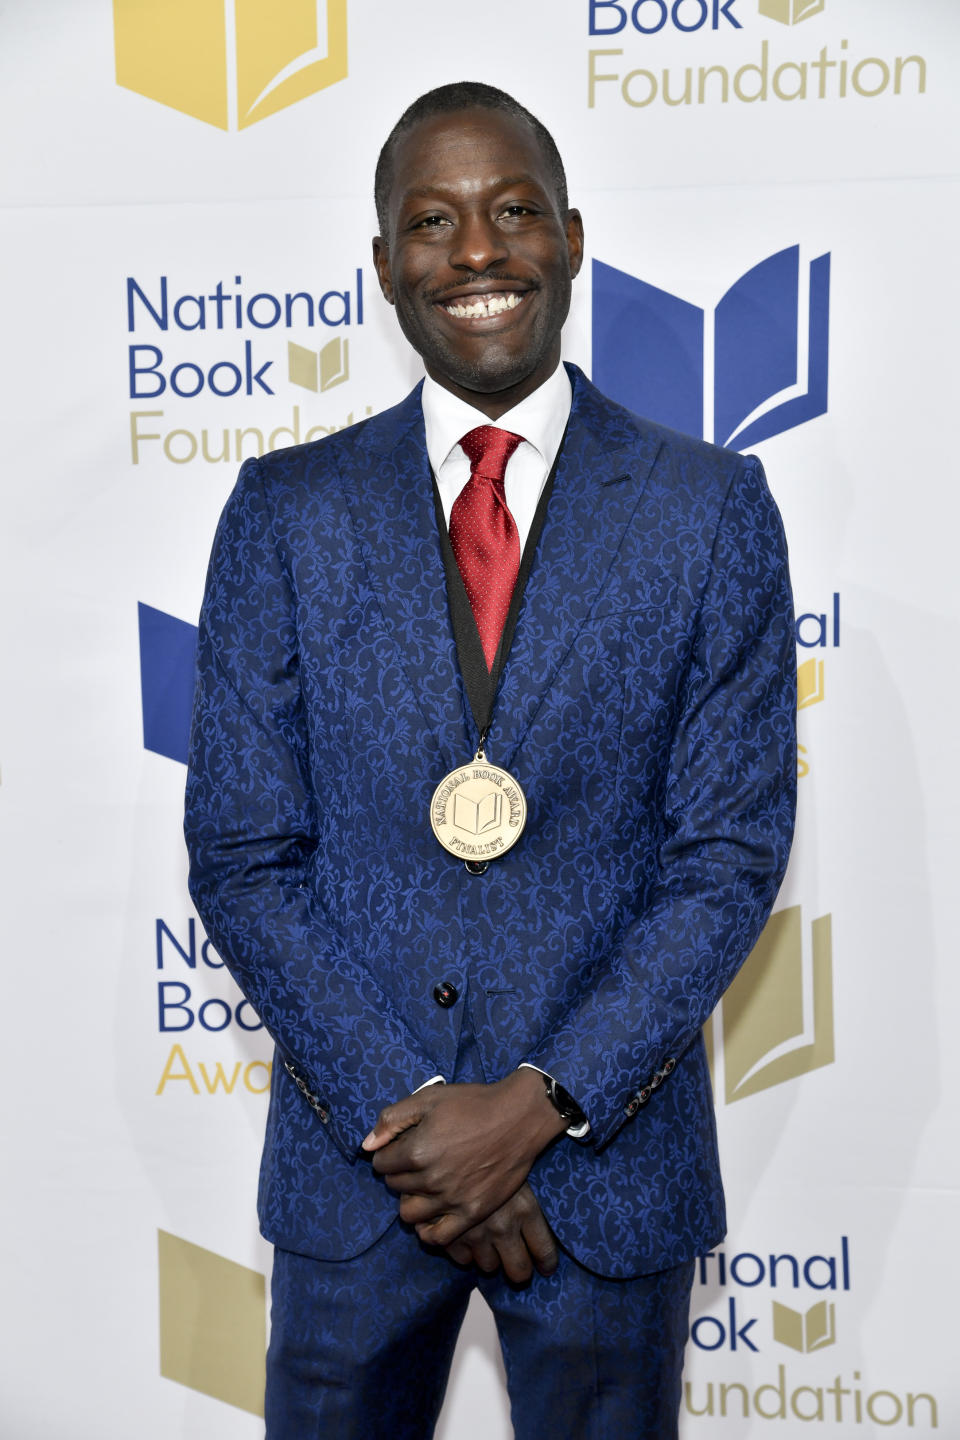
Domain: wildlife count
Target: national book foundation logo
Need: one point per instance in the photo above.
(631, 70)
(215, 355)
(229, 63)
(739, 1307)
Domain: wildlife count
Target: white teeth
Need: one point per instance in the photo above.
(484, 305)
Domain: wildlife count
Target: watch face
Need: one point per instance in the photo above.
(563, 1101)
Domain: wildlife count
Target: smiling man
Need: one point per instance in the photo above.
(491, 791)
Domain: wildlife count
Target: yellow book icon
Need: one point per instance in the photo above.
(812, 1331)
(319, 370)
(776, 1019)
(229, 65)
(810, 683)
(791, 12)
(213, 1323)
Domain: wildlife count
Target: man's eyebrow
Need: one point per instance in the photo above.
(423, 192)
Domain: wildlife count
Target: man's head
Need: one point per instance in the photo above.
(477, 246)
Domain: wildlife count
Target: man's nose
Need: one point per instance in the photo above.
(477, 244)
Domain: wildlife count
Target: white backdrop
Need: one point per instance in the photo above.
(128, 1112)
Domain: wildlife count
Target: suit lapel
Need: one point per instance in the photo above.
(391, 498)
(601, 475)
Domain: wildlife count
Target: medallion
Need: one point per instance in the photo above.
(478, 811)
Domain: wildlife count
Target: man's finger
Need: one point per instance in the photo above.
(514, 1256)
(484, 1253)
(392, 1121)
(421, 1211)
(460, 1252)
(400, 1155)
(405, 1182)
(540, 1241)
(444, 1229)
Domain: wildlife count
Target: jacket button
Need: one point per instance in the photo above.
(477, 867)
(445, 994)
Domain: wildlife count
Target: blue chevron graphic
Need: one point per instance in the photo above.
(168, 658)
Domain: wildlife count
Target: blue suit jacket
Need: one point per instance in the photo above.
(648, 710)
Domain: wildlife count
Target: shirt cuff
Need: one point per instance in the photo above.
(434, 1080)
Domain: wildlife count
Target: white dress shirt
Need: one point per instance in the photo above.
(540, 419)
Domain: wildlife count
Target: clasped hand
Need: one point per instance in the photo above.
(458, 1156)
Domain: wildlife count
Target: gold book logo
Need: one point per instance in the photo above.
(791, 12)
(810, 683)
(319, 369)
(814, 1330)
(213, 1323)
(229, 63)
(776, 1019)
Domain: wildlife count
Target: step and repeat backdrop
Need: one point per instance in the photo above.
(769, 189)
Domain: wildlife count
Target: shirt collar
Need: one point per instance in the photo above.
(540, 418)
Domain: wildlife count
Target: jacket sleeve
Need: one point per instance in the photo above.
(729, 808)
(251, 833)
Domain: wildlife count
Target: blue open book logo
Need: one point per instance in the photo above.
(769, 368)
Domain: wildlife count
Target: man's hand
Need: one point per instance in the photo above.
(457, 1153)
(516, 1236)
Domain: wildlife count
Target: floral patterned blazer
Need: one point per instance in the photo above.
(647, 708)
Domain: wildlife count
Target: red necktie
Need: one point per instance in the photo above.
(483, 533)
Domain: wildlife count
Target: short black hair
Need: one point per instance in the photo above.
(448, 100)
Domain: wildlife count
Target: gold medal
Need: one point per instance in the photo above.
(478, 811)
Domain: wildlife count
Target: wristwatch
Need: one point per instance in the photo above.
(564, 1103)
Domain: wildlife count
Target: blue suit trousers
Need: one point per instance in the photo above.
(361, 1349)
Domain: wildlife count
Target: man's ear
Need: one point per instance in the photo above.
(381, 263)
(574, 241)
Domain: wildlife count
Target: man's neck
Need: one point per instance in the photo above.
(495, 403)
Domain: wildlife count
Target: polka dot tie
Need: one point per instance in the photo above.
(483, 533)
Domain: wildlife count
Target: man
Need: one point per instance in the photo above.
(489, 1027)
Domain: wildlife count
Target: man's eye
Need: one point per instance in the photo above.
(431, 222)
(517, 210)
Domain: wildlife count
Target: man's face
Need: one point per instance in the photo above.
(477, 259)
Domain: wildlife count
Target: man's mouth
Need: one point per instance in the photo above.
(479, 307)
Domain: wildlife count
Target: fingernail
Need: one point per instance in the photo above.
(367, 1139)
